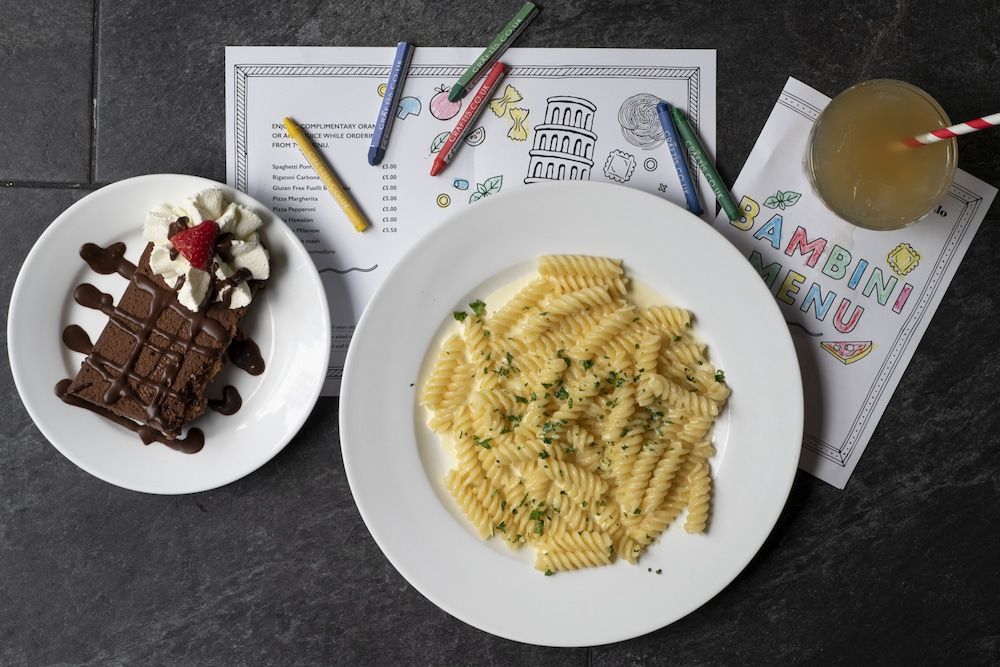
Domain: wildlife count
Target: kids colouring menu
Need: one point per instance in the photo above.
(856, 301)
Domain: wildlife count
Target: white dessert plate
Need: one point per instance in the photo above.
(288, 319)
(395, 465)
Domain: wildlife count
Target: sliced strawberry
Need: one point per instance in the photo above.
(197, 243)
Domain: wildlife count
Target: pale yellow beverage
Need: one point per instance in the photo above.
(860, 170)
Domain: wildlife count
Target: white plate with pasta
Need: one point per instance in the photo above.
(536, 423)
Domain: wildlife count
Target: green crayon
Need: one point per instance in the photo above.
(697, 152)
(493, 52)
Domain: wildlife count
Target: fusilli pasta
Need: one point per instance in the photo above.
(581, 423)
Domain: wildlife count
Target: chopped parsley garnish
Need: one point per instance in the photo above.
(514, 419)
(478, 307)
(587, 364)
(460, 315)
(520, 399)
(539, 527)
(676, 338)
(502, 526)
(637, 511)
(569, 450)
(688, 324)
(544, 313)
(549, 573)
(544, 454)
(720, 376)
(534, 396)
(612, 403)
(569, 403)
(691, 379)
(485, 442)
(562, 393)
(583, 503)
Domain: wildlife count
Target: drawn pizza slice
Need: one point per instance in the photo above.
(848, 351)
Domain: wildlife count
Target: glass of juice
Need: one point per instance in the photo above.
(858, 166)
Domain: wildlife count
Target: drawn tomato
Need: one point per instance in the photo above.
(441, 107)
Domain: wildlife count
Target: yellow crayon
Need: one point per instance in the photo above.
(325, 173)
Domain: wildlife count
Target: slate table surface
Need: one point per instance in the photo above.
(901, 567)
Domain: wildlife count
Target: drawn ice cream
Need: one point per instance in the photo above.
(564, 143)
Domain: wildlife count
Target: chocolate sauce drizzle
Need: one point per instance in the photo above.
(245, 354)
(192, 443)
(242, 275)
(229, 403)
(76, 339)
(224, 245)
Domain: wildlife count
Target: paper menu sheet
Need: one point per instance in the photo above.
(584, 114)
(856, 301)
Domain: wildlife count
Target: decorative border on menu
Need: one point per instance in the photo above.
(841, 455)
(244, 72)
(970, 205)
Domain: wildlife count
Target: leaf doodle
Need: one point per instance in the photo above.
(438, 142)
(490, 186)
(782, 199)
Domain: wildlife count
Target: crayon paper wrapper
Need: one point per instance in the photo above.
(856, 301)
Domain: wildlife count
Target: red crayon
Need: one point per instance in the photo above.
(476, 106)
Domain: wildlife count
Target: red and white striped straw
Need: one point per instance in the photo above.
(968, 126)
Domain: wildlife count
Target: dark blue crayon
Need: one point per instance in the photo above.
(387, 113)
(677, 153)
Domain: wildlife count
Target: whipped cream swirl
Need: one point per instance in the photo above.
(237, 247)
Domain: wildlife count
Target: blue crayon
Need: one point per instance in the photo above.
(677, 153)
(387, 114)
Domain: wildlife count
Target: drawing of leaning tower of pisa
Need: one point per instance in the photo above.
(564, 143)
